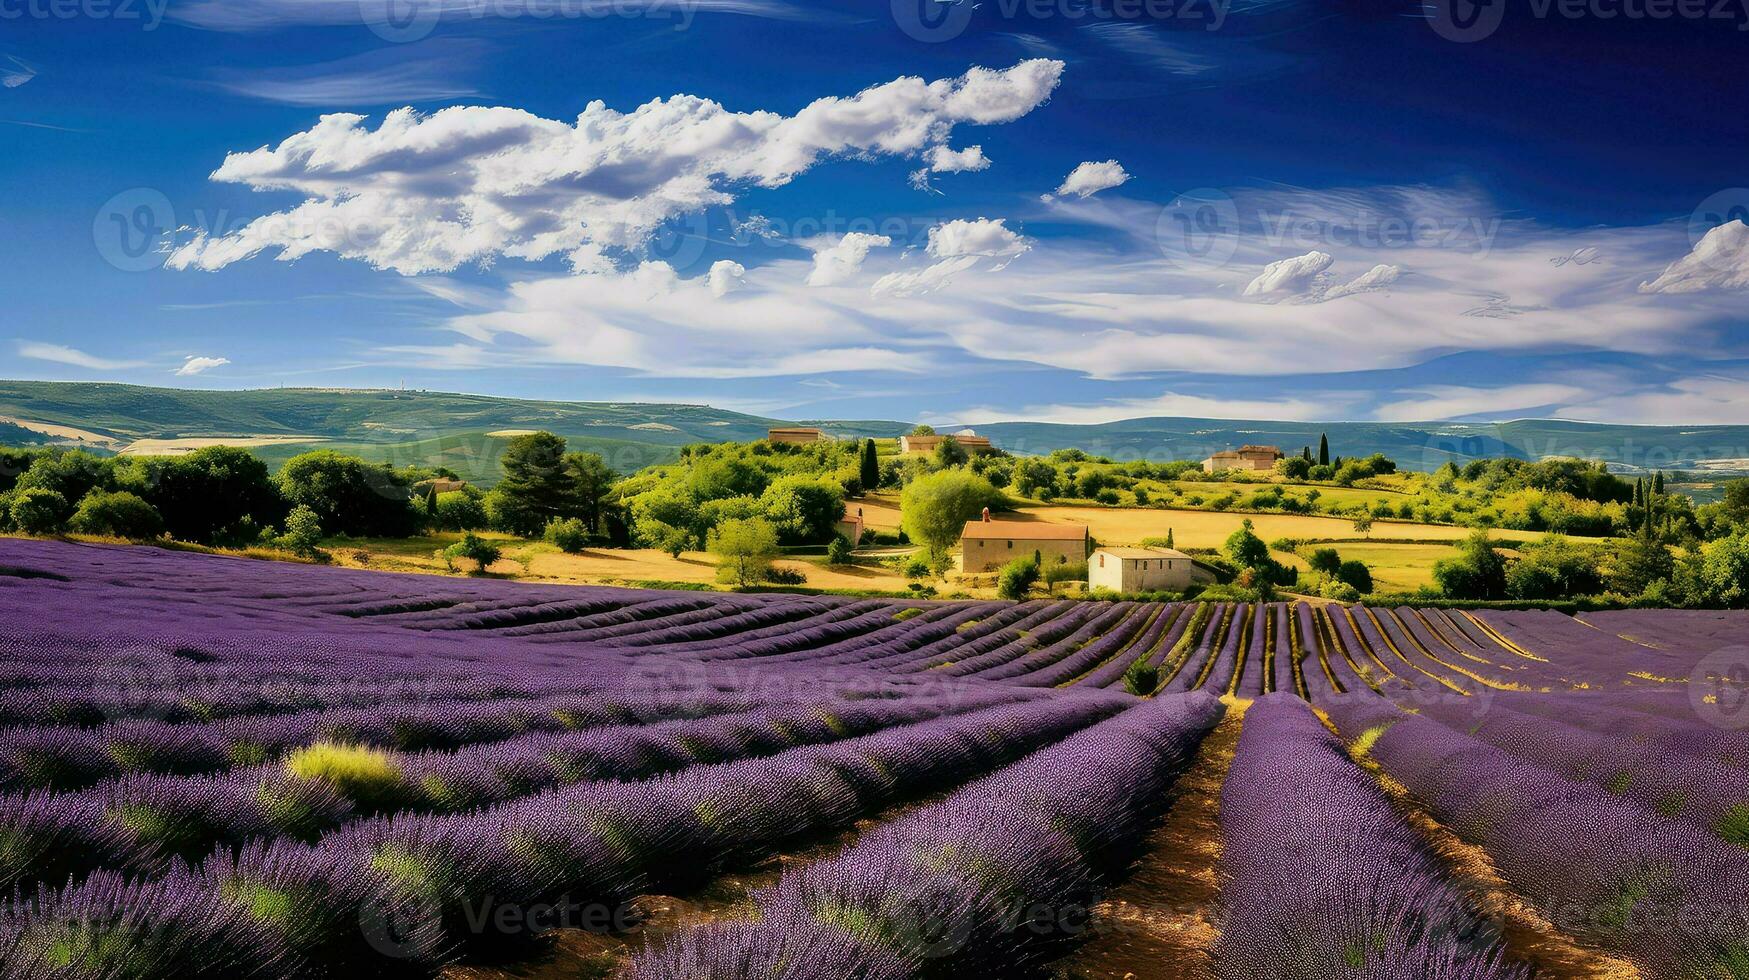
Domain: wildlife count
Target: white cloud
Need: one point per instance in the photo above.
(958, 246)
(1378, 277)
(70, 355)
(726, 277)
(1720, 260)
(396, 75)
(18, 75)
(428, 193)
(837, 261)
(1088, 179)
(1288, 276)
(261, 15)
(195, 365)
(1165, 404)
(943, 160)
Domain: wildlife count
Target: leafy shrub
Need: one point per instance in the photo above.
(786, 576)
(38, 511)
(303, 530)
(1141, 677)
(459, 510)
(1017, 578)
(839, 552)
(568, 534)
(120, 514)
(473, 548)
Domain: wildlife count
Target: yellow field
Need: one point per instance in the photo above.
(592, 567)
(1209, 528)
(178, 447)
(59, 431)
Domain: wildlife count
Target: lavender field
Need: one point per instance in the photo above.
(213, 768)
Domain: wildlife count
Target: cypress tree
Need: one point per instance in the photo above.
(1169, 538)
(871, 466)
(1323, 450)
(1306, 453)
(1658, 482)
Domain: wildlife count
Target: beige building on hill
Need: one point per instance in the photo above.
(1140, 570)
(973, 445)
(799, 435)
(988, 544)
(1259, 459)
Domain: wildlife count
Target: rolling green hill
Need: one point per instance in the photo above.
(466, 432)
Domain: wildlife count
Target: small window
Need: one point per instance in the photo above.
(1011, 545)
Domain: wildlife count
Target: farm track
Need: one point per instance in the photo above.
(1528, 935)
(1163, 921)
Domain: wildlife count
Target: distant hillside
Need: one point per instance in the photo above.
(1414, 445)
(466, 432)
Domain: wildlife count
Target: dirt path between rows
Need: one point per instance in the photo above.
(1162, 923)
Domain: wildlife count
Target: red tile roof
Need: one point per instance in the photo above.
(1025, 531)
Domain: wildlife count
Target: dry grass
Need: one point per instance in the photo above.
(1210, 528)
(179, 447)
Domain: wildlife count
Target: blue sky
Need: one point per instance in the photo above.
(911, 210)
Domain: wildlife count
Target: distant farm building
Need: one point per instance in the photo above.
(850, 525)
(988, 545)
(1259, 459)
(1140, 570)
(973, 444)
(797, 435)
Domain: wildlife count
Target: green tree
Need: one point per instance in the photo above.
(1017, 578)
(1323, 450)
(1355, 575)
(744, 549)
(70, 473)
(119, 514)
(1035, 477)
(1363, 525)
(459, 510)
(922, 430)
(1325, 561)
(1476, 572)
(13, 464)
(215, 495)
(38, 511)
(803, 508)
(542, 481)
(1294, 467)
(936, 507)
(1245, 549)
(351, 496)
(303, 530)
(592, 480)
(870, 470)
(949, 453)
(1639, 561)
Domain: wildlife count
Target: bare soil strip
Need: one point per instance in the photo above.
(1529, 936)
(1162, 923)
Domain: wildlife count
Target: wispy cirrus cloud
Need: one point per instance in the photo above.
(400, 75)
(261, 15)
(61, 354)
